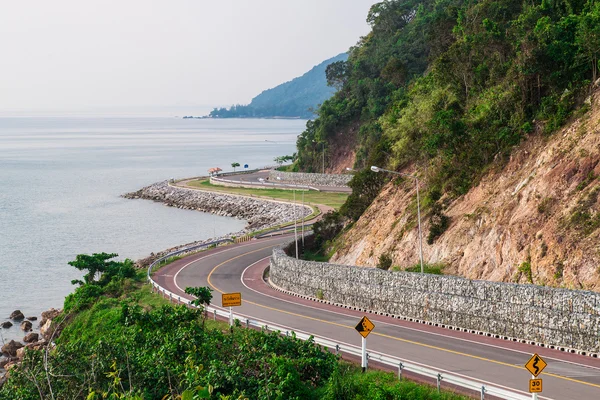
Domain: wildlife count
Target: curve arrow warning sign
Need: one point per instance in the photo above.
(364, 327)
(535, 365)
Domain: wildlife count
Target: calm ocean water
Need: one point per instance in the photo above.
(60, 181)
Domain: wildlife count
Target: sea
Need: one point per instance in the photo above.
(61, 179)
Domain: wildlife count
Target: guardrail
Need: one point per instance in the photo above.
(484, 389)
(183, 251)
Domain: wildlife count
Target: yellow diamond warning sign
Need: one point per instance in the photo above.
(535, 365)
(364, 327)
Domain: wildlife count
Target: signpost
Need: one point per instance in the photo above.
(364, 327)
(535, 366)
(231, 300)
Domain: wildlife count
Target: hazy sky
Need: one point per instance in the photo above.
(131, 54)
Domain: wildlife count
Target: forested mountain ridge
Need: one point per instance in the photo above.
(293, 99)
(451, 91)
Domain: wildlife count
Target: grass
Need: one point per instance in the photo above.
(334, 200)
(435, 269)
(350, 383)
(314, 256)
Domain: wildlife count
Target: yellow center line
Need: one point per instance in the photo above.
(380, 334)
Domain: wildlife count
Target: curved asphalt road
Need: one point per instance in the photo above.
(568, 376)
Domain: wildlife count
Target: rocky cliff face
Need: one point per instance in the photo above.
(535, 218)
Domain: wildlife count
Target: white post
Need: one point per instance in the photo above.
(364, 354)
(420, 233)
(230, 316)
(323, 157)
(533, 395)
(295, 225)
(302, 211)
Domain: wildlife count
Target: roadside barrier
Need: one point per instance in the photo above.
(242, 239)
(440, 377)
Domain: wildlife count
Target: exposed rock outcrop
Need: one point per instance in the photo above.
(534, 219)
(6, 324)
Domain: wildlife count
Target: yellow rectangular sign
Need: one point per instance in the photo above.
(535, 386)
(231, 299)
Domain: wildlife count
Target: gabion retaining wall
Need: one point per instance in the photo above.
(561, 317)
(310, 179)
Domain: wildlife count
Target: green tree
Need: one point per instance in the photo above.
(203, 295)
(235, 165)
(588, 38)
(95, 265)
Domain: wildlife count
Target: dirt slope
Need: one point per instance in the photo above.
(541, 207)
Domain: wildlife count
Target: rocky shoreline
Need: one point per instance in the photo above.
(12, 353)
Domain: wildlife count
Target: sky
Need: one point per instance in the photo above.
(163, 56)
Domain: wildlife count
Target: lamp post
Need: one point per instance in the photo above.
(295, 225)
(377, 169)
(323, 157)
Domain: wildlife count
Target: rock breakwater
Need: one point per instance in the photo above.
(259, 213)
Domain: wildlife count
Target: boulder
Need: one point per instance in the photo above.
(6, 324)
(26, 326)
(39, 345)
(11, 348)
(49, 315)
(47, 330)
(21, 353)
(4, 361)
(32, 318)
(31, 337)
(9, 365)
(17, 315)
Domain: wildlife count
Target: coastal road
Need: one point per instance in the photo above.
(238, 268)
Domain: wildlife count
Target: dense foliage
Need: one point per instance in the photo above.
(297, 98)
(448, 87)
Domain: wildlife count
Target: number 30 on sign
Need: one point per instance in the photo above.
(535, 386)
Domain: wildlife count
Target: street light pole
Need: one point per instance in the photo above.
(302, 211)
(377, 169)
(323, 156)
(295, 225)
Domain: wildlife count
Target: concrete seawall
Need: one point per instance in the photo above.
(559, 317)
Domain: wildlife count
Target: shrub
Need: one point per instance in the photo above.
(385, 261)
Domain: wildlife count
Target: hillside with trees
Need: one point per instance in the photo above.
(294, 99)
(451, 91)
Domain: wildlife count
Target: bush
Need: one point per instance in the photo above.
(385, 261)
